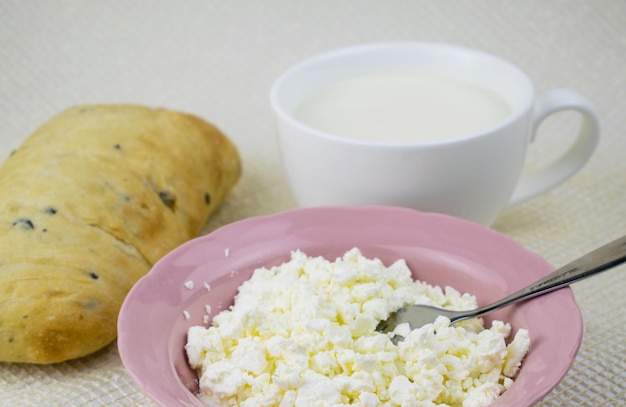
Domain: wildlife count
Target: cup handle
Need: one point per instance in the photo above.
(574, 158)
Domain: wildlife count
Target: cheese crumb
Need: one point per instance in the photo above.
(303, 334)
(189, 284)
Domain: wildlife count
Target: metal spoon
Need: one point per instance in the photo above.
(597, 261)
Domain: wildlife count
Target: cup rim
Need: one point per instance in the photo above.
(320, 58)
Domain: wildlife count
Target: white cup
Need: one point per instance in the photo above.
(474, 175)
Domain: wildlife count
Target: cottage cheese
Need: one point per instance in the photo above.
(303, 334)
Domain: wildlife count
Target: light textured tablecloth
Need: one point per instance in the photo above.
(219, 59)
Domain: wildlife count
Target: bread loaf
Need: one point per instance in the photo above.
(88, 203)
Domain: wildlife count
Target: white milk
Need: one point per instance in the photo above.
(402, 107)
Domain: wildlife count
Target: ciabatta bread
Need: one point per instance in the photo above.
(88, 203)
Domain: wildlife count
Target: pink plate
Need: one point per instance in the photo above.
(440, 250)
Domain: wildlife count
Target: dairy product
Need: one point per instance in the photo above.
(403, 107)
(303, 334)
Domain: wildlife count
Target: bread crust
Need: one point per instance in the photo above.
(88, 203)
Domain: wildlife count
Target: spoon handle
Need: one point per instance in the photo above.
(603, 258)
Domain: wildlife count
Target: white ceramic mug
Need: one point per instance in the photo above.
(474, 175)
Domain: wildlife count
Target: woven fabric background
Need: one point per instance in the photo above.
(219, 59)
